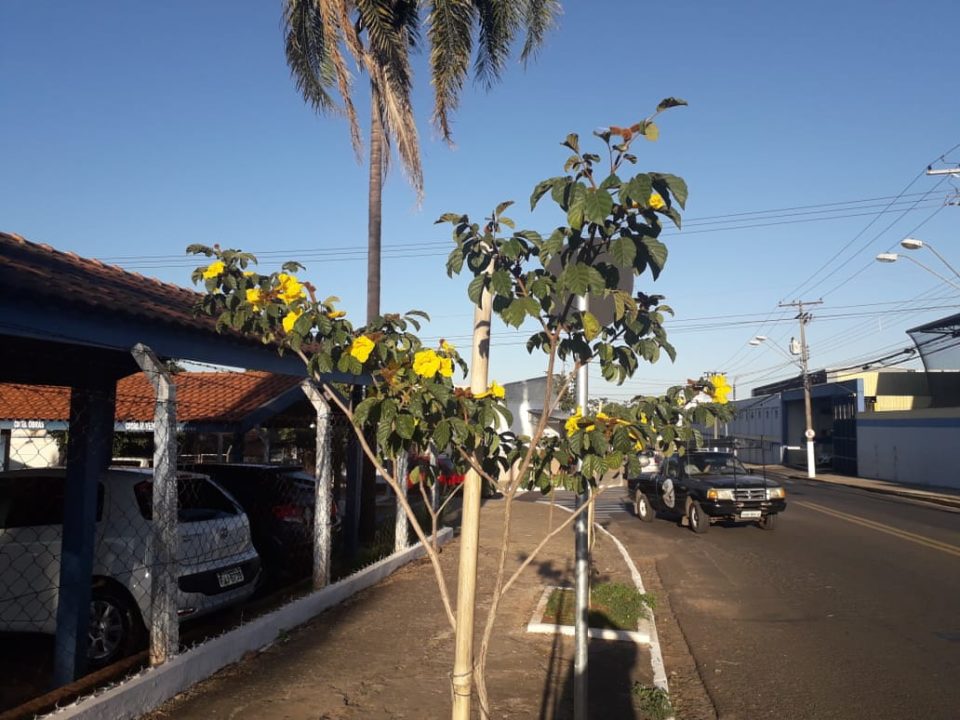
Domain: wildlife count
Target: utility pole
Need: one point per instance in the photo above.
(716, 427)
(810, 433)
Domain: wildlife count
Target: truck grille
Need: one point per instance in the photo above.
(750, 494)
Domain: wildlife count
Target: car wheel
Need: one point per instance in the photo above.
(696, 518)
(115, 628)
(641, 506)
(769, 522)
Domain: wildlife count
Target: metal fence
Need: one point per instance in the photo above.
(109, 539)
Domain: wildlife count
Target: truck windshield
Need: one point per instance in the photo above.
(714, 464)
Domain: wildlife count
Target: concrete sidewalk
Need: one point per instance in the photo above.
(388, 651)
(938, 495)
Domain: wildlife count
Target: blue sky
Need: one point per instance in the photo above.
(130, 130)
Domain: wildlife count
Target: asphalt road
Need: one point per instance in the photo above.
(850, 608)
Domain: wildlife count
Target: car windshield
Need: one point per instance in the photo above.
(718, 464)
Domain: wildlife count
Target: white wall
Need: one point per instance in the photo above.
(756, 419)
(32, 449)
(915, 447)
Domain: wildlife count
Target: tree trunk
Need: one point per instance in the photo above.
(368, 488)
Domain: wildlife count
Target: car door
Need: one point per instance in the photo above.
(31, 534)
(667, 485)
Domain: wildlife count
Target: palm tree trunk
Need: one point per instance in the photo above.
(374, 207)
(368, 486)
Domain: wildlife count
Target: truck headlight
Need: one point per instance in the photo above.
(777, 493)
(719, 494)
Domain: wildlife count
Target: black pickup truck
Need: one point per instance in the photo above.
(703, 487)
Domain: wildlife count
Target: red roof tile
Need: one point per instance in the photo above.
(216, 397)
(42, 271)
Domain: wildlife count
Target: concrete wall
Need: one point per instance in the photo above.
(757, 421)
(916, 447)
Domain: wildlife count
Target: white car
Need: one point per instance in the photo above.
(217, 564)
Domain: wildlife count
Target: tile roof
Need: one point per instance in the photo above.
(212, 397)
(43, 272)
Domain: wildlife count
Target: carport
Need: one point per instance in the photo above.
(78, 323)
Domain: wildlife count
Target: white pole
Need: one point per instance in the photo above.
(582, 576)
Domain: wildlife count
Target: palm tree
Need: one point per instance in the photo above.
(379, 35)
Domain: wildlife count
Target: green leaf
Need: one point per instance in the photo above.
(673, 215)
(597, 205)
(670, 102)
(384, 430)
(450, 218)
(612, 181)
(406, 425)
(637, 189)
(591, 326)
(623, 250)
(572, 142)
(516, 312)
(678, 188)
(577, 198)
(540, 190)
(455, 262)
(502, 206)
(501, 283)
(475, 288)
(579, 278)
(441, 435)
(656, 253)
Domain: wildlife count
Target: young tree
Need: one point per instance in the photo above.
(612, 227)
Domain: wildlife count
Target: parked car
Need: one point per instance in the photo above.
(217, 564)
(280, 501)
(705, 487)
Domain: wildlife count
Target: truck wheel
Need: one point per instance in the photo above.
(769, 522)
(696, 518)
(641, 506)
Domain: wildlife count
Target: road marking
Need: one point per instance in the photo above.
(880, 527)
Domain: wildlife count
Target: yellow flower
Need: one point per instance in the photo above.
(656, 201)
(214, 269)
(248, 273)
(255, 297)
(334, 314)
(361, 347)
(497, 390)
(573, 422)
(446, 347)
(720, 389)
(638, 445)
(426, 363)
(446, 367)
(290, 288)
(290, 320)
(602, 416)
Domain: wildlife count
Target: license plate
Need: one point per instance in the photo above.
(750, 514)
(233, 576)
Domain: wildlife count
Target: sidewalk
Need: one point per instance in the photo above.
(388, 651)
(938, 495)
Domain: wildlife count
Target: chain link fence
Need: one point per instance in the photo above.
(98, 511)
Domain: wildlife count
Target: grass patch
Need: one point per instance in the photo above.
(654, 702)
(614, 606)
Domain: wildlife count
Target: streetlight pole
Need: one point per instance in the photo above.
(810, 433)
(915, 244)
(893, 257)
(582, 566)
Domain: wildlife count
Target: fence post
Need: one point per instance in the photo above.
(401, 540)
(321, 515)
(164, 623)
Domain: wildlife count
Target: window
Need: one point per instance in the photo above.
(36, 500)
(197, 499)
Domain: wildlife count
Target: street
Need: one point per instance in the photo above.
(849, 609)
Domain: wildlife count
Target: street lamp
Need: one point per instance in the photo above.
(915, 244)
(889, 257)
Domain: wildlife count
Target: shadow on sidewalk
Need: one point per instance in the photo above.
(610, 672)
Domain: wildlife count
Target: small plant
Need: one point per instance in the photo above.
(612, 605)
(654, 702)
